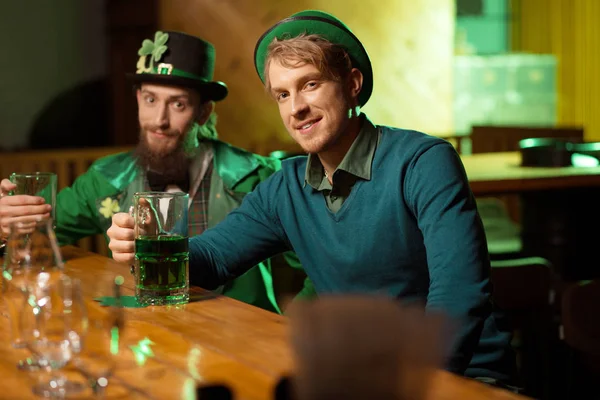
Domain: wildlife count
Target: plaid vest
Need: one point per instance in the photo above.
(198, 212)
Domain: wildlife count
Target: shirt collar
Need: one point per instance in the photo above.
(357, 161)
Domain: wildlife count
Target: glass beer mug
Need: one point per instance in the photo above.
(161, 265)
(42, 184)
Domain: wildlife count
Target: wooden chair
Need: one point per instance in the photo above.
(502, 233)
(580, 331)
(492, 139)
(523, 290)
(456, 141)
(68, 165)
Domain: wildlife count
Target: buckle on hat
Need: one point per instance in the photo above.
(164, 69)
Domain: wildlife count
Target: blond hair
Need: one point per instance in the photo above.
(332, 60)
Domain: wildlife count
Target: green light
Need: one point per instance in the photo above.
(114, 340)
(142, 351)
(582, 160)
(193, 359)
(188, 391)
(7, 275)
(279, 154)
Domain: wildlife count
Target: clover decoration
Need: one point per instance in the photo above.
(153, 49)
(109, 207)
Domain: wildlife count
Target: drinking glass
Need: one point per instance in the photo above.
(103, 342)
(161, 266)
(32, 262)
(42, 184)
(60, 324)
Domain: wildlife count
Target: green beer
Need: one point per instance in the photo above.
(162, 264)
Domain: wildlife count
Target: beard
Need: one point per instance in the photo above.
(172, 163)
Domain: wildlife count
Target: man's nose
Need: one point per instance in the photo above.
(162, 116)
(299, 106)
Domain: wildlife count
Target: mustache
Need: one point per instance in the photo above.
(158, 128)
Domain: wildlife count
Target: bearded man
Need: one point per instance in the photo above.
(178, 150)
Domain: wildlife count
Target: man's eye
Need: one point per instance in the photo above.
(149, 99)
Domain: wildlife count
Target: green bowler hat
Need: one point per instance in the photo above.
(179, 59)
(329, 28)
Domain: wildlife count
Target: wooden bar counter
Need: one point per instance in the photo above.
(501, 173)
(213, 339)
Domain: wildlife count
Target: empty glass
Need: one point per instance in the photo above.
(102, 343)
(60, 323)
(32, 262)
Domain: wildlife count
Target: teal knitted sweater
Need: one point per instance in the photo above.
(412, 232)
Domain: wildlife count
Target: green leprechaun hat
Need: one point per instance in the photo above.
(175, 58)
(328, 27)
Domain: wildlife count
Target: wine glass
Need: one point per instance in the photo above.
(97, 357)
(52, 324)
(32, 261)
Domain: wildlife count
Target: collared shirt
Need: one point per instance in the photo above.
(355, 165)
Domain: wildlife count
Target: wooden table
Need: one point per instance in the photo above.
(213, 339)
(501, 173)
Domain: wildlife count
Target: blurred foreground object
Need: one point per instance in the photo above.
(364, 347)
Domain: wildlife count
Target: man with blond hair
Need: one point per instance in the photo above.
(371, 209)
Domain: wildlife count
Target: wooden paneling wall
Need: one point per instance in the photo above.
(67, 164)
(129, 22)
(569, 29)
(410, 44)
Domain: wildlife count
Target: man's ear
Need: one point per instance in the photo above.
(205, 110)
(138, 95)
(355, 82)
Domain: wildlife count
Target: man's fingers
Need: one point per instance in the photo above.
(23, 200)
(123, 257)
(7, 211)
(25, 219)
(122, 250)
(122, 246)
(117, 233)
(7, 186)
(19, 228)
(123, 220)
(121, 236)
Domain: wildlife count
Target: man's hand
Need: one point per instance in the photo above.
(19, 208)
(121, 235)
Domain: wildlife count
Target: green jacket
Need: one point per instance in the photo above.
(86, 208)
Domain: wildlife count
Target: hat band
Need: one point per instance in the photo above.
(167, 69)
